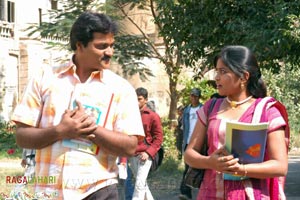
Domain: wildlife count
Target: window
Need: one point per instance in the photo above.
(10, 11)
(54, 4)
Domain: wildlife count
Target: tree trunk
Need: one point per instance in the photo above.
(174, 99)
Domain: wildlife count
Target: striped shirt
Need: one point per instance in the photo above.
(45, 99)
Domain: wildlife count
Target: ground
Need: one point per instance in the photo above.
(164, 183)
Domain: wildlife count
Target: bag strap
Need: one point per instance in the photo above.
(259, 115)
(210, 108)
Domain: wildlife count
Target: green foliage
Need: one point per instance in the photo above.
(270, 28)
(294, 27)
(129, 50)
(206, 86)
(8, 146)
(170, 161)
(169, 138)
(264, 26)
(294, 141)
(267, 27)
(130, 58)
(284, 86)
(61, 21)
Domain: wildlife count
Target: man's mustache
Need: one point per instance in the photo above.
(105, 58)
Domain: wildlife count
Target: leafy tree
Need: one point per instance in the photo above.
(60, 24)
(191, 32)
(171, 56)
(267, 27)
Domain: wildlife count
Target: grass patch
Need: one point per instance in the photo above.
(5, 172)
(163, 182)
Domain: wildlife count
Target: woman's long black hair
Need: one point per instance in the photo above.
(241, 59)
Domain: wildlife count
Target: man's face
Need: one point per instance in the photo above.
(194, 100)
(98, 52)
(142, 102)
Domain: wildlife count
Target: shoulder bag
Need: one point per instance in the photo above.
(193, 178)
(157, 161)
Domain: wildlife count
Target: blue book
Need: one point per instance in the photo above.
(247, 142)
(97, 105)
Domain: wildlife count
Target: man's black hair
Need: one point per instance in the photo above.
(142, 92)
(87, 24)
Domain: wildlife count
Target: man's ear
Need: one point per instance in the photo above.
(79, 45)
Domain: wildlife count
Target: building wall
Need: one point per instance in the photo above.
(9, 56)
(8, 80)
(20, 56)
(158, 85)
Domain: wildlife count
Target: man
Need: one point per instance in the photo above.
(80, 117)
(147, 149)
(189, 121)
(28, 162)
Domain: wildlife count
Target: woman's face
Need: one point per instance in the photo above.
(228, 83)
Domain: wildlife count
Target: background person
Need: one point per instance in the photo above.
(128, 182)
(47, 121)
(28, 162)
(238, 77)
(179, 131)
(189, 119)
(140, 163)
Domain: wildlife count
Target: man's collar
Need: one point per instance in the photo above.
(199, 104)
(145, 109)
(70, 68)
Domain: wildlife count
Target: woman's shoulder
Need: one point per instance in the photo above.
(271, 105)
(210, 106)
(276, 113)
(212, 102)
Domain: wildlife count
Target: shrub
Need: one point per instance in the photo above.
(8, 146)
(284, 86)
(169, 139)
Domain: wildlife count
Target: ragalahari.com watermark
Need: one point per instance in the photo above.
(30, 180)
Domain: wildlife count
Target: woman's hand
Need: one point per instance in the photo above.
(223, 162)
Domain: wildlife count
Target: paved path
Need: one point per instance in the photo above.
(292, 186)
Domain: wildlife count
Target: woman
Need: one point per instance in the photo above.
(239, 79)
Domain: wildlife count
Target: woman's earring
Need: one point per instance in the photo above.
(242, 86)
